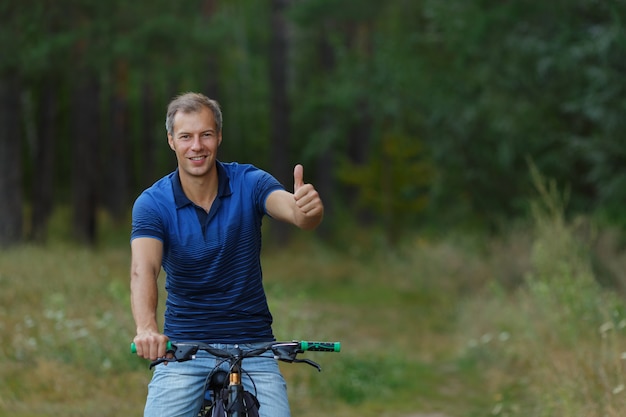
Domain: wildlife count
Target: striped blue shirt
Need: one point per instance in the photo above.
(212, 260)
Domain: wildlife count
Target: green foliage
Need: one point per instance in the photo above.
(484, 85)
(514, 72)
(394, 184)
(562, 283)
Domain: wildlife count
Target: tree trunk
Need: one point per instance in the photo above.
(43, 168)
(148, 142)
(359, 39)
(11, 197)
(209, 8)
(85, 157)
(325, 178)
(280, 164)
(117, 159)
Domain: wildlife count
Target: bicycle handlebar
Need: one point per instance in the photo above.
(304, 346)
(283, 351)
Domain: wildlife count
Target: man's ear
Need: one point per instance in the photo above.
(170, 141)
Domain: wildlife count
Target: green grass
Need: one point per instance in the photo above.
(511, 326)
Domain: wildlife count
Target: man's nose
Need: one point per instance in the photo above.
(195, 142)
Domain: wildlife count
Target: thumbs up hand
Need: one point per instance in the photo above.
(309, 206)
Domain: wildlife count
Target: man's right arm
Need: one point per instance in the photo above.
(147, 254)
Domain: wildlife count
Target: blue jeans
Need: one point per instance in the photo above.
(177, 390)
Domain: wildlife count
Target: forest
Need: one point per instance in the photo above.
(471, 155)
(407, 114)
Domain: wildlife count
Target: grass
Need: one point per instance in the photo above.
(65, 332)
(66, 325)
(512, 326)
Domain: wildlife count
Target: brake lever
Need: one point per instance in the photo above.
(290, 357)
(179, 353)
(309, 362)
(161, 360)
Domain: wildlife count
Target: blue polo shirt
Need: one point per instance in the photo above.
(212, 260)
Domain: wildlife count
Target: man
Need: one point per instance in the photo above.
(202, 225)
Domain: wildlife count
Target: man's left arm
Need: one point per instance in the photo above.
(303, 208)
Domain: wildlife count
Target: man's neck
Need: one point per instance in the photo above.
(200, 190)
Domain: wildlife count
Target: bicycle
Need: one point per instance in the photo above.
(224, 392)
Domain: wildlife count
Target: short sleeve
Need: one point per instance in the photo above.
(265, 185)
(146, 219)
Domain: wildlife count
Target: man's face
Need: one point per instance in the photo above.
(195, 141)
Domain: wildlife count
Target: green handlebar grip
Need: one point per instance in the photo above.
(133, 348)
(320, 346)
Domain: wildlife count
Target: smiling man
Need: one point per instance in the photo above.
(202, 225)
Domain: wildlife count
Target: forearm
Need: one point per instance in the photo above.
(149, 342)
(144, 272)
(144, 301)
(304, 210)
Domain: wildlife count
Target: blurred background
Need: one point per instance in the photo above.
(471, 155)
(406, 114)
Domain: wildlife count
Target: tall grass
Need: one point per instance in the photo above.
(556, 345)
(462, 326)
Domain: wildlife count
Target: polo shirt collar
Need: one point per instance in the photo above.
(223, 186)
